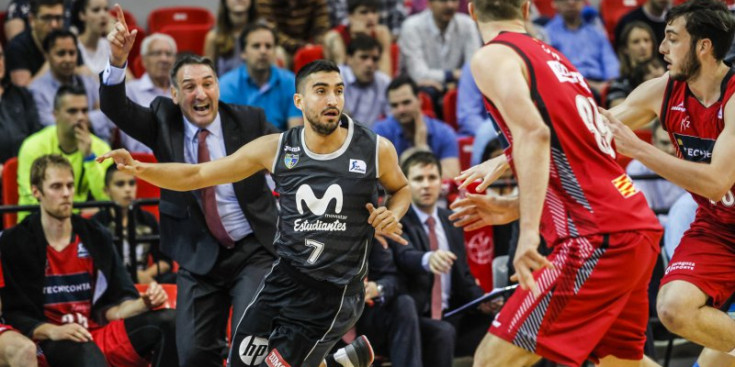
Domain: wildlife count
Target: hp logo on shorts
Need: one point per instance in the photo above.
(253, 350)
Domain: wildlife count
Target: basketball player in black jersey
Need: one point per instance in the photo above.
(326, 174)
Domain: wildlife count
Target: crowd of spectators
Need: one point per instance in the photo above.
(402, 64)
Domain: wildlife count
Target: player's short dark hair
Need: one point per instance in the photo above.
(314, 67)
(491, 10)
(51, 38)
(187, 58)
(363, 42)
(252, 27)
(352, 5)
(400, 81)
(36, 4)
(39, 166)
(708, 19)
(76, 90)
(422, 158)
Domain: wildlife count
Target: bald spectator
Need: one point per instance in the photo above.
(158, 52)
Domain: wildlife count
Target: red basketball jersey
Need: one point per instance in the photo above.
(588, 193)
(69, 287)
(693, 129)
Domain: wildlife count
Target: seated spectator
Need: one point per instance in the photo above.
(69, 137)
(434, 266)
(584, 44)
(389, 319)
(391, 14)
(653, 13)
(472, 115)
(660, 194)
(362, 19)
(365, 99)
(158, 52)
(435, 44)
(25, 51)
(222, 44)
(122, 187)
(15, 349)
(16, 18)
(18, 116)
(67, 289)
(297, 24)
(259, 82)
(92, 20)
(637, 46)
(60, 49)
(409, 127)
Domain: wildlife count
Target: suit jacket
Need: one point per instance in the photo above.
(382, 270)
(419, 282)
(184, 233)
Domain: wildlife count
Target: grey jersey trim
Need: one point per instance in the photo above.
(278, 151)
(377, 156)
(336, 153)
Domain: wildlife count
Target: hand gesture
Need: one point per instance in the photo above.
(386, 225)
(121, 39)
(527, 260)
(440, 261)
(371, 291)
(420, 132)
(123, 159)
(84, 141)
(487, 172)
(475, 211)
(154, 296)
(73, 331)
(626, 141)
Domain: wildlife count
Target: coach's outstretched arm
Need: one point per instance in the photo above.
(249, 159)
(531, 147)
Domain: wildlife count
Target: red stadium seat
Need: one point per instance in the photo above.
(170, 290)
(189, 38)
(427, 106)
(480, 247)
(3, 41)
(129, 17)
(465, 151)
(136, 66)
(612, 10)
(306, 55)
(545, 8)
(10, 190)
(450, 109)
(135, 51)
(145, 188)
(178, 15)
(395, 54)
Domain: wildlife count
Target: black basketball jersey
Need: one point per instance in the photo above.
(323, 229)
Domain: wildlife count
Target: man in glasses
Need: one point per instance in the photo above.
(365, 99)
(69, 137)
(25, 55)
(150, 264)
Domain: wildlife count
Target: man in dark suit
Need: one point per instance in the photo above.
(435, 267)
(221, 236)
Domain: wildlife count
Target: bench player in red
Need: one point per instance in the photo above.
(588, 300)
(694, 103)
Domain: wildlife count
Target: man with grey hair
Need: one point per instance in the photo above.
(158, 52)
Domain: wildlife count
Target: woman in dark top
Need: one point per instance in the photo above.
(637, 44)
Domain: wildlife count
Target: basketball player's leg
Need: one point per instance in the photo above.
(713, 358)
(494, 351)
(612, 361)
(700, 273)
(16, 350)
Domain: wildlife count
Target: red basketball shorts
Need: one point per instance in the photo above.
(593, 303)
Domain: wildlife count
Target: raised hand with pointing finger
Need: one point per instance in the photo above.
(121, 39)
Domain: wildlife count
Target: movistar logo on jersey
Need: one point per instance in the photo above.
(316, 205)
(695, 149)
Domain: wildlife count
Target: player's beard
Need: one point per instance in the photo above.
(689, 68)
(320, 128)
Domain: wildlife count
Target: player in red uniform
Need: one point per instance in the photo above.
(15, 349)
(694, 102)
(67, 288)
(588, 300)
